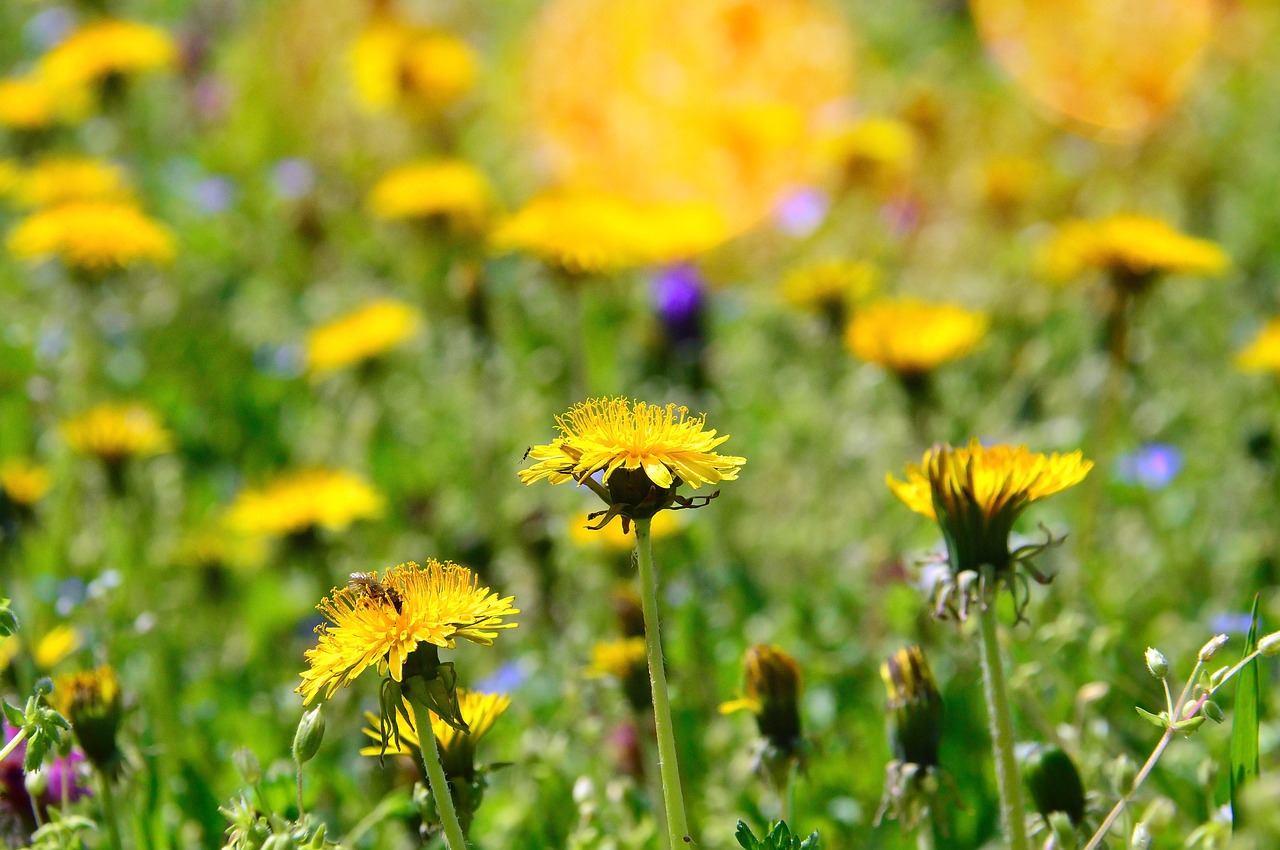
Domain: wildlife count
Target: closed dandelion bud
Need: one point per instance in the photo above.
(1213, 711)
(1064, 832)
(1054, 783)
(92, 703)
(307, 738)
(1141, 839)
(914, 708)
(1157, 663)
(1211, 648)
(1270, 645)
(772, 693)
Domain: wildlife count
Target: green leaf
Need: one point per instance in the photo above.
(1154, 720)
(780, 838)
(1244, 724)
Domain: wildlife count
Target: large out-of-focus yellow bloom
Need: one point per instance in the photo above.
(434, 604)
(94, 236)
(590, 232)
(368, 332)
(667, 100)
(23, 482)
(1263, 354)
(446, 188)
(107, 48)
(1115, 66)
(976, 492)
(302, 500)
(116, 432)
(60, 180)
(28, 103)
(878, 152)
(911, 338)
(1134, 248)
(395, 63)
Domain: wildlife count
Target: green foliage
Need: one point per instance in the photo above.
(779, 838)
(1245, 722)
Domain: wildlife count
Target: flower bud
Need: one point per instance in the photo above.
(1141, 839)
(1157, 663)
(93, 704)
(37, 783)
(1211, 648)
(1213, 711)
(1054, 783)
(1121, 774)
(772, 692)
(914, 707)
(307, 738)
(1270, 645)
(1064, 832)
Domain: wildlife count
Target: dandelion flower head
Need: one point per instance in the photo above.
(371, 331)
(618, 658)
(1134, 246)
(457, 748)
(28, 103)
(59, 180)
(448, 188)
(1263, 354)
(817, 285)
(396, 63)
(23, 482)
(105, 48)
(434, 604)
(93, 236)
(301, 500)
(879, 152)
(911, 337)
(115, 432)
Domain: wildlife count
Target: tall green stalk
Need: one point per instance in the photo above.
(672, 795)
(454, 838)
(1012, 808)
(109, 810)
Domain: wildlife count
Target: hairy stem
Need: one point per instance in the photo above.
(453, 836)
(1012, 808)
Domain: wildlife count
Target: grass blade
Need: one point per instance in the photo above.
(1244, 725)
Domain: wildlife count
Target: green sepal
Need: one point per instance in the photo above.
(1161, 719)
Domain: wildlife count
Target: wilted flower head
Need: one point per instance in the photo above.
(59, 180)
(365, 333)
(93, 703)
(107, 48)
(449, 189)
(911, 338)
(644, 453)
(116, 432)
(301, 500)
(1263, 354)
(914, 707)
(23, 482)
(398, 64)
(1134, 249)
(92, 236)
(771, 691)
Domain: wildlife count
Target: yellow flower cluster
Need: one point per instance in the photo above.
(911, 337)
(302, 500)
(447, 188)
(92, 236)
(368, 332)
(1133, 246)
(23, 482)
(115, 432)
(398, 64)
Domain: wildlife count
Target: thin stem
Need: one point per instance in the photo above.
(789, 799)
(298, 774)
(1012, 808)
(369, 821)
(453, 836)
(109, 810)
(673, 797)
(13, 743)
(1137, 782)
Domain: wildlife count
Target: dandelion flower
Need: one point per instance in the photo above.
(104, 49)
(773, 687)
(877, 152)
(92, 236)
(300, 501)
(829, 287)
(60, 180)
(1006, 182)
(23, 482)
(368, 332)
(394, 63)
(1133, 248)
(26, 103)
(444, 188)
(1263, 354)
(613, 538)
(457, 748)
(433, 605)
(911, 338)
(93, 703)
(596, 233)
(915, 713)
(625, 660)
(116, 432)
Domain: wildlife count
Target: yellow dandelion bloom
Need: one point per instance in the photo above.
(435, 605)
(55, 646)
(457, 748)
(94, 704)
(104, 48)
(595, 233)
(394, 63)
(448, 188)
(1006, 182)
(613, 538)
(832, 282)
(92, 236)
(60, 180)
(368, 332)
(23, 482)
(26, 103)
(772, 689)
(1261, 355)
(618, 658)
(298, 501)
(665, 444)
(879, 152)
(1133, 246)
(114, 432)
(911, 337)
(216, 545)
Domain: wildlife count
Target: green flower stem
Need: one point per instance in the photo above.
(673, 797)
(109, 810)
(453, 836)
(13, 743)
(1012, 808)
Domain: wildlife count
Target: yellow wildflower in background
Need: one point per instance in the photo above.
(93, 703)
(26, 103)
(395, 63)
(435, 605)
(216, 545)
(1132, 247)
(590, 232)
(60, 180)
(115, 432)
(819, 286)
(92, 236)
(1006, 182)
(457, 748)
(910, 337)
(106, 48)
(57, 644)
(1263, 354)
(878, 152)
(299, 501)
(448, 188)
(24, 482)
(368, 332)
(618, 658)
(613, 538)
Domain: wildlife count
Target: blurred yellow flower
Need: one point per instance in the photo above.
(448, 188)
(613, 538)
(92, 701)
(589, 232)
(56, 645)
(107, 48)
(619, 658)
(673, 101)
(830, 284)
(1263, 354)
(115, 432)
(1132, 246)
(10, 174)
(435, 605)
(457, 748)
(367, 332)
(301, 500)
(24, 482)
(911, 337)
(394, 63)
(1006, 182)
(772, 688)
(877, 152)
(216, 545)
(26, 103)
(60, 180)
(92, 236)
